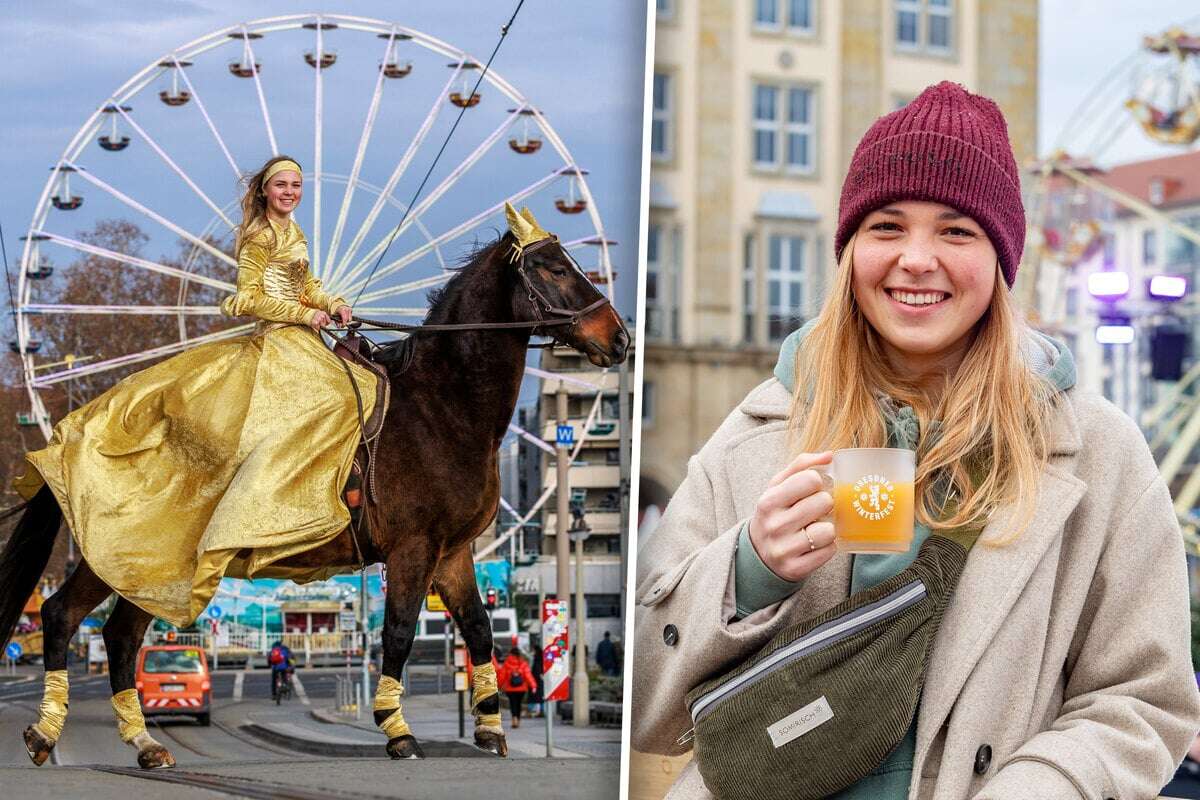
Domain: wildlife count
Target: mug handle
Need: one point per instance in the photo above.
(827, 483)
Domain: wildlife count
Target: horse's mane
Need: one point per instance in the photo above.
(478, 253)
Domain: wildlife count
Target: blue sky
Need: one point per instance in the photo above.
(581, 64)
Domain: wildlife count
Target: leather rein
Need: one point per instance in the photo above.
(559, 317)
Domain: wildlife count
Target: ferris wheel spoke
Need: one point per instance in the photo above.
(394, 178)
(364, 137)
(207, 119)
(136, 358)
(134, 261)
(536, 441)
(60, 308)
(262, 98)
(175, 167)
(171, 226)
(453, 233)
(318, 117)
(405, 288)
(435, 194)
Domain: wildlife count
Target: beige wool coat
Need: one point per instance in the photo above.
(1066, 652)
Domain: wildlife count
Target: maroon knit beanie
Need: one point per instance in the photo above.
(947, 146)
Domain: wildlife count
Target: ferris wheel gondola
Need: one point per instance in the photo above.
(1166, 102)
(344, 244)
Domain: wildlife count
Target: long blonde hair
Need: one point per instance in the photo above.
(254, 205)
(994, 413)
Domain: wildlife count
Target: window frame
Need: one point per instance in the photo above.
(784, 22)
(786, 279)
(664, 115)
(925, 11)
(780, 127)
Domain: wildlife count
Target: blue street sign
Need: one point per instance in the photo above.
(214, 612)
(564, 435)
(13, 651)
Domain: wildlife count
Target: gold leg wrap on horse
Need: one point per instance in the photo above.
(483, 686)
(387, 698)
(52, 713)
(130, 722)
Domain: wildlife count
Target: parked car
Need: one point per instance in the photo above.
(174, 680)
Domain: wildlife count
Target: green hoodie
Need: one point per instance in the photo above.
(756, 587)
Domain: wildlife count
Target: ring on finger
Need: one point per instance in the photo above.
(811, 544)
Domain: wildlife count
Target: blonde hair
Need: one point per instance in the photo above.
(994, 412)
(254, 204)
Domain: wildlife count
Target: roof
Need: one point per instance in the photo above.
(1167, 182)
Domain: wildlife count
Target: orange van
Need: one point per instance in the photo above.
(174, 679)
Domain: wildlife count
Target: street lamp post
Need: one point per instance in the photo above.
(581, 701)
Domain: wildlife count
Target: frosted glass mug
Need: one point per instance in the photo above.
(873, 502)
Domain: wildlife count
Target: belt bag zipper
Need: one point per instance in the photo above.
(815, 640)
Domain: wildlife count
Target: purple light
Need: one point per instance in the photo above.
(1168, 287)
(1114, 334)
(1108, 285)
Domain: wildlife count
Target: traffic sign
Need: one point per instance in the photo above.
(214, 612)
(556, 660)
(564, 435)
(13, 651)
(433, 602)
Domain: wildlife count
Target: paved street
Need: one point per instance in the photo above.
(302, 749)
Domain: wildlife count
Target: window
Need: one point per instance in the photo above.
(775, 15)
(654, 311)
(1149, 247)
(749, 279)
(925, 25)
(784, 137)
(601, 606)
(665, 9)
(785, 284)
(660, 118)
(647, 403)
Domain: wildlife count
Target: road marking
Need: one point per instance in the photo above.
(303, 695)
(238, 680)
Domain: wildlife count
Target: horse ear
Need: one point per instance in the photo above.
(517, 224)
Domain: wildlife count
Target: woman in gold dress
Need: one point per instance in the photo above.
(227, 457)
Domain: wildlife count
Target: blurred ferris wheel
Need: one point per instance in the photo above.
(1153, 92)
(171, 145)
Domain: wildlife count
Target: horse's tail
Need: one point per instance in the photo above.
(25, 555)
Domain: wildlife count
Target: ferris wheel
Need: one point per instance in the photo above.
(364, 104)
(1155, 90)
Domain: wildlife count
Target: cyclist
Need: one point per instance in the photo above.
(280, 659)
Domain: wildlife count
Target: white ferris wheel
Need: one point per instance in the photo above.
(169, 147)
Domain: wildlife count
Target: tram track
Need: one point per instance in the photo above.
(237, 787)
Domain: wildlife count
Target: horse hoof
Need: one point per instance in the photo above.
(403, 747)
(492, 742)
(156, 757)
(37, 745)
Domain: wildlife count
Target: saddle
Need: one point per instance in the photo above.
(360, 486)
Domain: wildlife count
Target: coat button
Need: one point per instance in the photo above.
(670, 635)
(983, 759)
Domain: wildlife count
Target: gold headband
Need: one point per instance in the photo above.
(280, 166)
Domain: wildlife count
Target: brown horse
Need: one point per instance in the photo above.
(437, 488)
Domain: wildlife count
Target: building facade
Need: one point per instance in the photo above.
(756, 108)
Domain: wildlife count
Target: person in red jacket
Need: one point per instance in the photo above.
(515, 679)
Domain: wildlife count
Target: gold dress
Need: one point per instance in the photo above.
(220, 460)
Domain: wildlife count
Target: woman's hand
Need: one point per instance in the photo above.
(791, 507)
(319, 320)
(343, 313)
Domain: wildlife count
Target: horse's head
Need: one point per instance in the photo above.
(551, 287)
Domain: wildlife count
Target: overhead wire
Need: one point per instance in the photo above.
(503, 33)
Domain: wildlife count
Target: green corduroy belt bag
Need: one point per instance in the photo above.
(825, 702)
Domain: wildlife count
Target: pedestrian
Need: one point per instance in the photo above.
(231, 455)
(606, 655)
(1061, 666)
(516, 679)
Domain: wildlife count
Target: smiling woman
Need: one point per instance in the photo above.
(787, 663)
